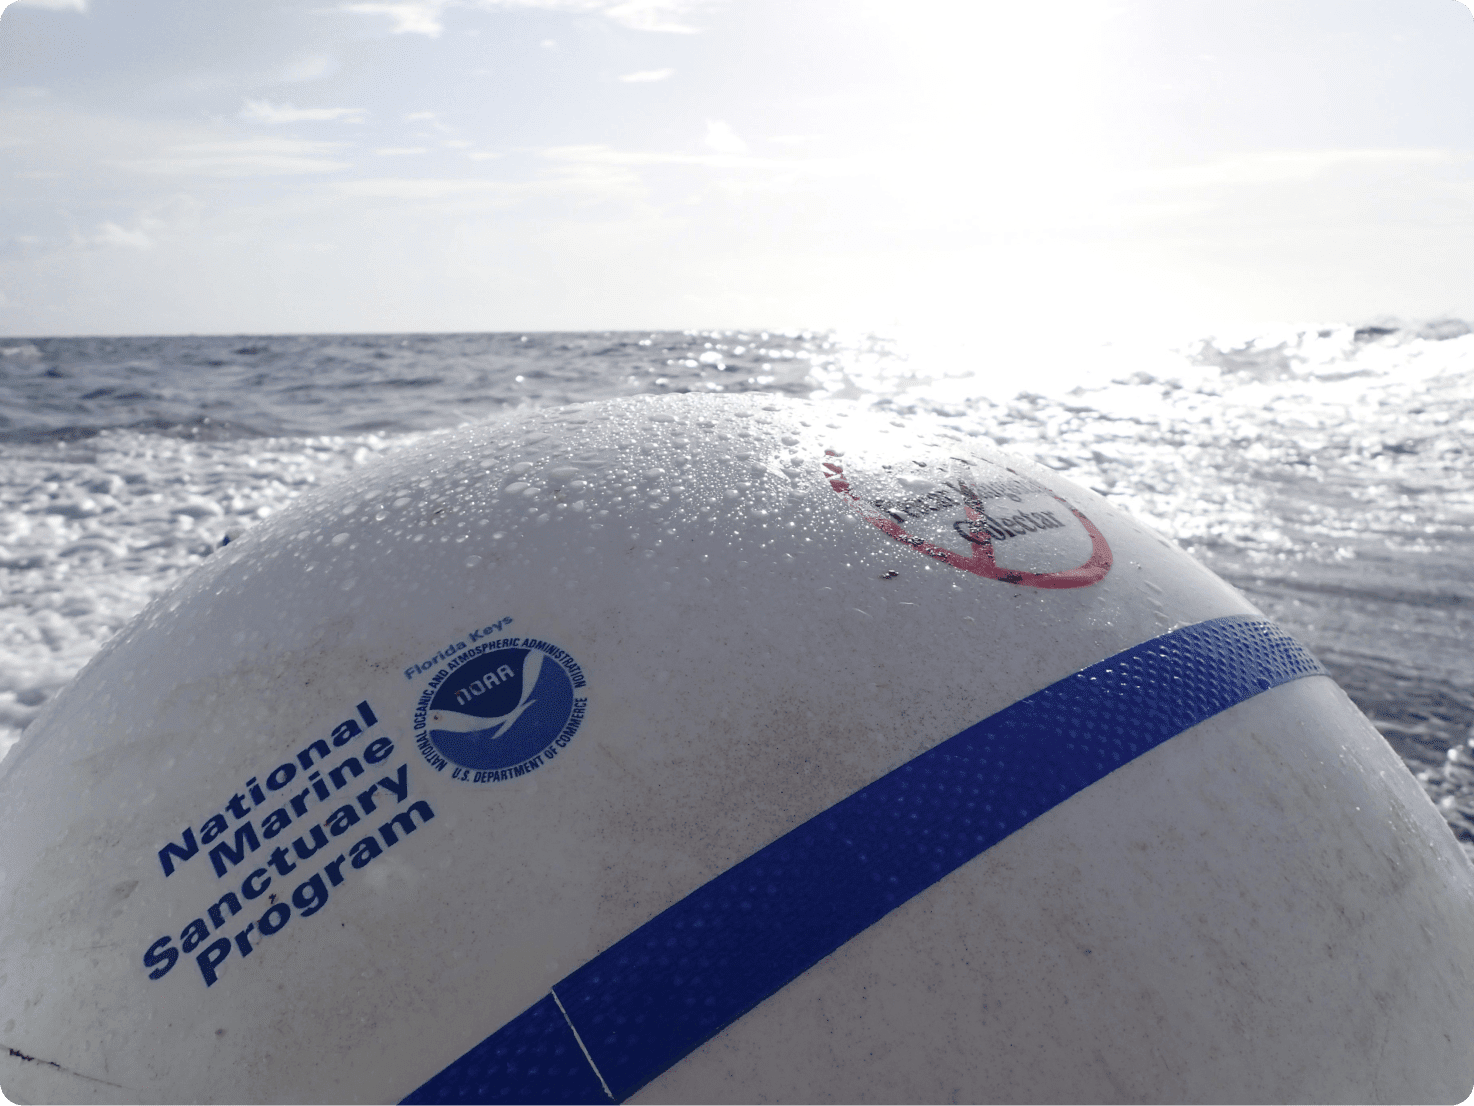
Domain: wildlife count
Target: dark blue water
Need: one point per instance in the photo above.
(216, 388)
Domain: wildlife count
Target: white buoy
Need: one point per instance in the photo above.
(718, 749)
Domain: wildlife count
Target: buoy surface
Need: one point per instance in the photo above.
(718, 749)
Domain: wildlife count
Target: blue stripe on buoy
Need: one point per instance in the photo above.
(653, 997)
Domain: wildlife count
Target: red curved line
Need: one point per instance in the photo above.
(981, 562)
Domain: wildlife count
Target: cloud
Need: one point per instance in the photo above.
(252, 157)
(584, 174)
(263, 111)
(53, 5)
(311, 68)
(426, 118)
(411, 17)
(730, 159)
(426, 17)
(147, 228)
(111, 234)
(652, 15)
(1280, 166)
(417, 188)
(645, 76)
(400, 151)
(723, 139)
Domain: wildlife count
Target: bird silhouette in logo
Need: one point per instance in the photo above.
(490, 728)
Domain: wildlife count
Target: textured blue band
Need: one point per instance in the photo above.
(653, 997)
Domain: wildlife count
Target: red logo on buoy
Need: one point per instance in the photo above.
(980, 528)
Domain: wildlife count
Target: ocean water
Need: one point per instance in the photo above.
(1327, 472)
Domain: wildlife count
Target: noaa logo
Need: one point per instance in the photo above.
(500, 709)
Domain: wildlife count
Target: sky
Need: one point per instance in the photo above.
(171, 166)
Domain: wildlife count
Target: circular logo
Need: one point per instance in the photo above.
(500, 709)
(977, 516)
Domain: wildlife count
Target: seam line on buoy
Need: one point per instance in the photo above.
(653, 997)
(585, 1048)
